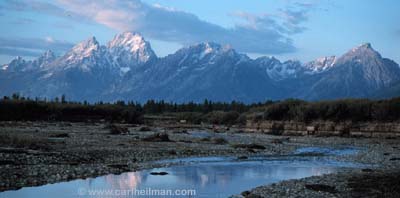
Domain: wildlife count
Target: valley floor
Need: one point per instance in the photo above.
(37, 153)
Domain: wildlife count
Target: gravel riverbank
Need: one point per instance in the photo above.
(354, 183)
(37, 153)
(380, 178)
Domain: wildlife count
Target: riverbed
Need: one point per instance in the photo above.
(200, 176)
(71, 155)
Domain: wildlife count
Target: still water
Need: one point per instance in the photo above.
(208, 177)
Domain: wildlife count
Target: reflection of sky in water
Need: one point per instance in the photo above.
(209, 176)
(328, 151)
(201, 134)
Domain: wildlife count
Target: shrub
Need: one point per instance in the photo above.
(230, 118)
(144, 128)
(117, 130)
(219, 141)
(249, 146)
(220, 117)
(60, 135)
(158, 137)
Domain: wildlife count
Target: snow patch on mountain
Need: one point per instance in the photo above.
(277, 70)
(83, 50)
(321, 64)
(20, 65)
(128, 68)
(128, 50)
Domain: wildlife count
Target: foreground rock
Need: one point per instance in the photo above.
(378, 183)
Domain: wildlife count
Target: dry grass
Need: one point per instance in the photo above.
(23, 141)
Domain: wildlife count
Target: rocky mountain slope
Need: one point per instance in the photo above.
(359, 73)
(128, 69)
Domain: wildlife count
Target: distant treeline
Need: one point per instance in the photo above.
(336, 110)
(59, 109)
(24, 109)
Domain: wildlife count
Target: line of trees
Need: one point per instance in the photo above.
(20, 108)
(156, 107)
(336, 110)
(59, 109)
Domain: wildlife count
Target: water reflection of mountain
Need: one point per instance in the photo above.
(126, 181)
(210, 179)
(214, 176)
(222, 174)
(129, 180)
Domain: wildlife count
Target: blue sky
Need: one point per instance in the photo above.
(287, 29)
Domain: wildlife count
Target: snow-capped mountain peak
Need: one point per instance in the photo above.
(46, 58)
(134, 41)
(85, 55)
(364, 46)
(208, 51)
(209, 48)
(277, 70)
(15, 64)
(130, 49)
(83, 49)
(20, 65)
(362, 54)
(205, 70)
(268, 62)
(212, 47)
(321, 64)
(364, 50)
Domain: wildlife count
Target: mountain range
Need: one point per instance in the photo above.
(128, 69)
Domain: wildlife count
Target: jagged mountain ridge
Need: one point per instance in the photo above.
(83, 73)
(206, 70)
(127, 68)
(358, 73)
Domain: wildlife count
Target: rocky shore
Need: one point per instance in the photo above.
(381, 177)
(355, 183)
(37, 153)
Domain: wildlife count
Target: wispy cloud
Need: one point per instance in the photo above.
(40, 7)
(283, 24)
(31, 46)
(259, 34)
(293, 19)
(265, 34)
